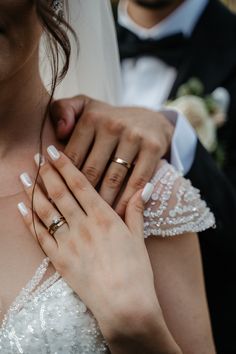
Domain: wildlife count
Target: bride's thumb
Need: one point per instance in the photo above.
(135, 208)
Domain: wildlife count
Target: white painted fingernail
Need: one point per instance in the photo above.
(39, 160)
(26, 180)
(147, 192)
(22, 209)
(53, 152)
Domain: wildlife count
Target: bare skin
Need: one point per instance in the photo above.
(100, 131)
(149, 17)
(20, 253)
(21, 114)
(106, 265)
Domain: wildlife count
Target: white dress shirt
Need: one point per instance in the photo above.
(147, 81)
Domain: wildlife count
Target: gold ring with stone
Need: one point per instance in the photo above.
(56, 224)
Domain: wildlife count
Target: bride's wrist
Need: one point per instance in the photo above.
(140, 331)
(149, 338)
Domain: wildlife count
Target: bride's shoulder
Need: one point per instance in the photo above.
(175, 206)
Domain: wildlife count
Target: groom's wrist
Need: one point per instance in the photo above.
(184, 141)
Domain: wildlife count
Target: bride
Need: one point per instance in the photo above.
(101, 287)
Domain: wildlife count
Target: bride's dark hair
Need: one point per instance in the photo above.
(56, 30)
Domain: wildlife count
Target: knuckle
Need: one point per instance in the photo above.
(103, 220)
(153, 145)
(114, 180)
(57, 193)
(74, 157)
(121, 208)
(44, 212)
(78, 183)
(124, 203)
(139, 182)
(85, 235)
(45, 169)
(72, 213)
(134, 136)
(92, 174)
(62, 161)
(114, 127)
(139, 207)
(90, 117)
(72, 245)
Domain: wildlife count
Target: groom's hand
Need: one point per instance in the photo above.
(97, 132)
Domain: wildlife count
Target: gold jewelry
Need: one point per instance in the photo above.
(122, 162)
(56, 224)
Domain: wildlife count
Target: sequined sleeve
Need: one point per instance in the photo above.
(175, 206)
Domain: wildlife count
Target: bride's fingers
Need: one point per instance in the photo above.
(135, 208)
(81, 188)
(46, 241)
(59, 192)
(42, 206)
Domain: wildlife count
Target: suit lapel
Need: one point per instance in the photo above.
(211, 55)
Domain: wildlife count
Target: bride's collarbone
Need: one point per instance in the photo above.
(10, 185)
(20, 256)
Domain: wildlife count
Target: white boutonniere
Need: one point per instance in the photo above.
(206, 113)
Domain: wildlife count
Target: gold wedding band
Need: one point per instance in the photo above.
(122, 162)
(56, 224)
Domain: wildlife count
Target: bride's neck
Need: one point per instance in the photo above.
(23, 100)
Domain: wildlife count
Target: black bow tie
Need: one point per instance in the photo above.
(169, 49)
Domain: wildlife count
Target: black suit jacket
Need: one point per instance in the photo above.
(211, 57)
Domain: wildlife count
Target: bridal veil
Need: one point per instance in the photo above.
(94, 69)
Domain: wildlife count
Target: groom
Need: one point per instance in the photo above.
(164, 43)
(209, 54)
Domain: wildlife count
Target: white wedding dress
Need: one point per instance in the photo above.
(49, 318)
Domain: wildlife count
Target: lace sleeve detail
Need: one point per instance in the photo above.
(175, 206)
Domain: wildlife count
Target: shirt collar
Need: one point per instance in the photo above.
(183, 20)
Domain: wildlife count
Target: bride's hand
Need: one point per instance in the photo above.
(103, 259)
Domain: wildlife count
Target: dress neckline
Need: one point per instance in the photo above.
(31, 290)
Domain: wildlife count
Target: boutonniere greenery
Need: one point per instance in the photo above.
(206, 113)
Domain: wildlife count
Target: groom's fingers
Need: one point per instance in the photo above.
(142, 173)
(80, 142)
(99, 129)
(116, 173)
(65, 113)
(99, 157)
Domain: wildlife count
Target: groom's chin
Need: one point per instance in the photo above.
(155, 4)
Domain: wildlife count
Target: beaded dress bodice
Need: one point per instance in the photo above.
(49, 318)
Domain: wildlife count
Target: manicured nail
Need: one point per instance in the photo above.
(53, 152)
(147, 192)
(22, 209)
(39, 160)
(26, 180)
